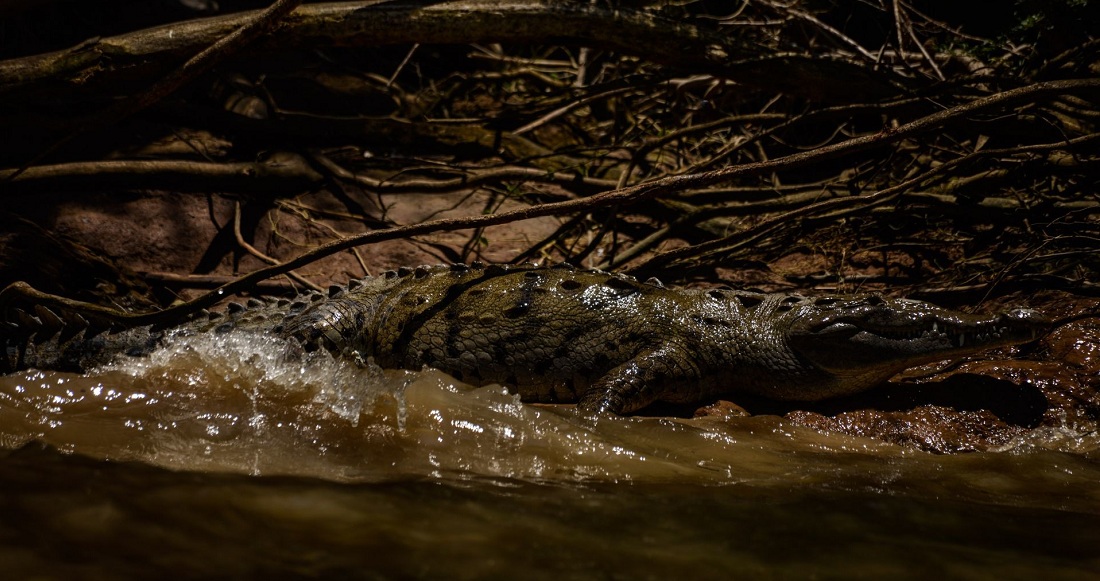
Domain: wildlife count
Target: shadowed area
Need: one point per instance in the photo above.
(69, 516)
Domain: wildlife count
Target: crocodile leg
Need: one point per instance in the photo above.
(638, 382)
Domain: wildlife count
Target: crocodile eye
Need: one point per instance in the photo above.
(750, 301)
(621, 284)
(517, 311)
(789, 303)
(570, 284)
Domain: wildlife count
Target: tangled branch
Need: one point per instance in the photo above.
(653, 138)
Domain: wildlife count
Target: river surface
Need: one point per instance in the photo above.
(217, 458)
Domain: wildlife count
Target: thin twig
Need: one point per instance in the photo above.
(256, 252)
(569, 107)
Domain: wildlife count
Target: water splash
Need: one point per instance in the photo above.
(237, 403)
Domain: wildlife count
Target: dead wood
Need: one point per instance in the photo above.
(280, 173)
(678, 139)
(101, 64)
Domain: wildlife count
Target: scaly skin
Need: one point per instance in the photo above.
(607, 341)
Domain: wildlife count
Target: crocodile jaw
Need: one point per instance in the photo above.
(864, 343)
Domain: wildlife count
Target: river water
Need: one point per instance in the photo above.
(216, 458)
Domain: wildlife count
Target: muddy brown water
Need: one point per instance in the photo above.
(216, 458)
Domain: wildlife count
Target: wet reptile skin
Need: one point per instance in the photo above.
(607, 341)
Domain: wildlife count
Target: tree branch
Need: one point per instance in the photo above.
(285, 173)
(217, 51)
(108, 63)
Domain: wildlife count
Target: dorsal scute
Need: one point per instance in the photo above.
(51, 321)
(39, 322)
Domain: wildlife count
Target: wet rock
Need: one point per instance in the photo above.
(721, 410)
(930, 428)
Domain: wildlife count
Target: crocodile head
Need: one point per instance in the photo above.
(863, 340)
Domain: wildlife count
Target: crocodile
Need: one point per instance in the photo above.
(557, 334)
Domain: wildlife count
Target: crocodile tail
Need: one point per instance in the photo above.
(336, 324)
(58, 337)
